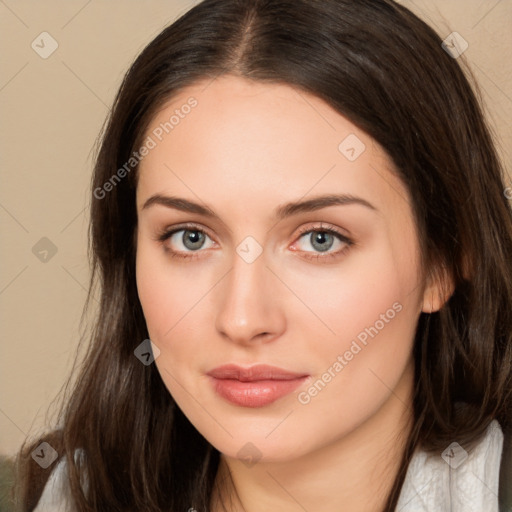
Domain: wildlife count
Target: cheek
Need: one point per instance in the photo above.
(162, 308)
(371, 309)
(151, 288)
(366, 315)
(162, 293)
(343, 300)
(173, 297)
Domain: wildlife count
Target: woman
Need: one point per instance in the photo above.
(303, 242)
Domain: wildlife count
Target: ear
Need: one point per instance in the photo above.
(439, 289)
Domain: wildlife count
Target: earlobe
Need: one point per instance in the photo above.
(438, 291)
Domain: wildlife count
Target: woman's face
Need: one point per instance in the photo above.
(294, 246)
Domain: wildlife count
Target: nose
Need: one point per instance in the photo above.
(249, 309)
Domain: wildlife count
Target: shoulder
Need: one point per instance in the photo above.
(464, 480)
(56, 496)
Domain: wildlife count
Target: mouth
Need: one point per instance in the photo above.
(255, 386)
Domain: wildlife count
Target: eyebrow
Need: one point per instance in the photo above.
(281, 212)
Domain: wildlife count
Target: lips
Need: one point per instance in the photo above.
(255, 386)
(253, 373)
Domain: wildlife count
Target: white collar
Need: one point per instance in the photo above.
(455, 481)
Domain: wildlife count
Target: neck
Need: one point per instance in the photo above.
(355, 473)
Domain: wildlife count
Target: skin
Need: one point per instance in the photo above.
(246, 149)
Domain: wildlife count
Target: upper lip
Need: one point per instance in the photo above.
(253, 373)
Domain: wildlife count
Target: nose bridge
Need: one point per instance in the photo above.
(248, 307)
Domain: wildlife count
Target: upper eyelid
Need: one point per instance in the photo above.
(186, 227)
(327, 227)
(196, 227)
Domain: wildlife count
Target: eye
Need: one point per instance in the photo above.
(322, 239)
(187, 242)
(182, 241)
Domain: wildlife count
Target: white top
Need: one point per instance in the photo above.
(456, 480)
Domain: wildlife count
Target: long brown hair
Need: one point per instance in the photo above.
(385, 70)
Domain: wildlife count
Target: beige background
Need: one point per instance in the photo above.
(51, 112)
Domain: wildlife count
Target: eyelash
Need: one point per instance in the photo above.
(164, 235)
(331, 230)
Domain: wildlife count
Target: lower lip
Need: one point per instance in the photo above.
(257, 393)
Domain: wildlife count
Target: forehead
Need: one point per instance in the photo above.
(254, 140)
